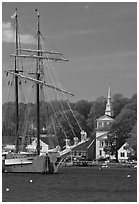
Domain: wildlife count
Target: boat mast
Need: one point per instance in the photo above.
(16, 82)
(37, 86)
(39, 56)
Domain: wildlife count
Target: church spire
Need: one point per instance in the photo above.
(109, 109)
(109, 92)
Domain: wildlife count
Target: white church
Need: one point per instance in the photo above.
(102, 128)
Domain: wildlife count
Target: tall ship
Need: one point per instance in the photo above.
(34, 148)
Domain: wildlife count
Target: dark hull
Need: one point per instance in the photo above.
(35, 164)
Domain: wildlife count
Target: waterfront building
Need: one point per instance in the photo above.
(124, 152)
(85, 151)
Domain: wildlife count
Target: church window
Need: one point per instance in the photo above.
(100, 124)
(105, 124)
(100, 152)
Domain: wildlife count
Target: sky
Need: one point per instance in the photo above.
(98, 38)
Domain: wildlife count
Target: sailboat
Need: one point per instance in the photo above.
(22, 160)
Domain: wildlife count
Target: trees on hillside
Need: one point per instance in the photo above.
(99, 106)
(85, 112)
(67, 125)
(97, 109)
(119, 101)
(83, 107)
(132, 141)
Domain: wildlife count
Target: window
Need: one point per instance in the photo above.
(100, 152)
(105, 124)
(124, 147)
(101, 144)
(122, 154)
(100, 125)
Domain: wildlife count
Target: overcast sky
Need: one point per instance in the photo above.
(98, 38)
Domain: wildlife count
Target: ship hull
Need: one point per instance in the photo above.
(36, 164)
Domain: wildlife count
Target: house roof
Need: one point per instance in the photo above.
(33, 145)
(85, 145)
(105, 118)
(50, 140)
(125, 144)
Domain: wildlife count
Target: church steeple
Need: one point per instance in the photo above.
(109, 108)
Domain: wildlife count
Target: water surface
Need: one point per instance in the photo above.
(72, 184)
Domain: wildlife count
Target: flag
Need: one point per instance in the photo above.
(13, 16)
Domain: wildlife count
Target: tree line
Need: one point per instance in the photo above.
(67, 119)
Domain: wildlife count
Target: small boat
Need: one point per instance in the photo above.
(23, 157)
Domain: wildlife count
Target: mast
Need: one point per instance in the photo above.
(40, 82)
(37, 86)
(16, 83)
(39, 55)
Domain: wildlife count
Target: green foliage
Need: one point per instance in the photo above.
(86, 113)
(99, 106)
(119, 101)
(111, 143)
(83, 107)
(97, 110)
(132, 141)
(66, 125)
(91, 122)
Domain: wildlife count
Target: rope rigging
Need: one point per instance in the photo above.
(25, 115)
(49, 64)
(55, 113)
(63, 110)
(54, 79)
(8, 117)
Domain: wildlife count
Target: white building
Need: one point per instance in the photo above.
(124, 152)
(43, 147)
(103, 124)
